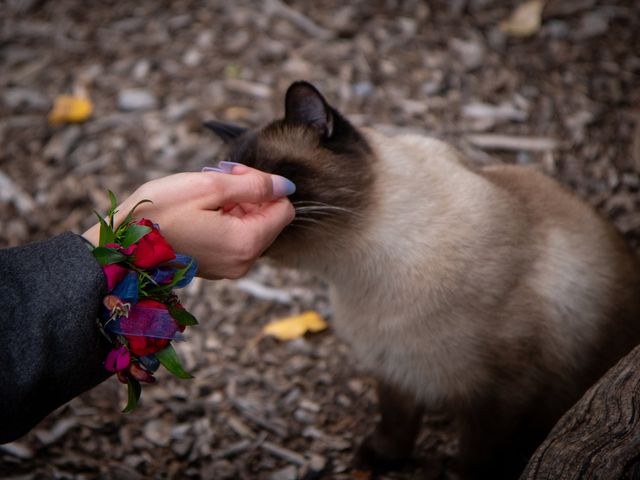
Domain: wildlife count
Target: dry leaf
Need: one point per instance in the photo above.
(235, 114)
(296, 326)
(525, 20)
(70, 109)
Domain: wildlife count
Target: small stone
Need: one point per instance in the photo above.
(363, 89)
(177, 111)
(471, 53)
(136, 99)
(237, 41)
(297, 67)
(557, 29)
(304, 416)
(182, 447)
(179, 432)
(356, 386)
(134, 461)
(157, 432)
(497, 38)
(312, 432)
(286, 473)
(192, 58)
(317, 463)
(141, 69)
(593, 24)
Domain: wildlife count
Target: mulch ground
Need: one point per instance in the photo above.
(566, 99)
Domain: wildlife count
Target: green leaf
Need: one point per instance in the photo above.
(129, 216)
(112, 199)
(133, 392)
(166, 287)
(169, 359)
(112, 210)
(133, 233)
(182, 316)
(179, 274)
(106, 232)
(107, 256)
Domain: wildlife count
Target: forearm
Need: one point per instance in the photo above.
(50, 347)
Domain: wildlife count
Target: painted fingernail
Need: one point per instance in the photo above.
(227, 167)
(282, 187)
(213, 169)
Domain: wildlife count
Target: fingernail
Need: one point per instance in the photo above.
(282, 187)
(213, 169)
(227, 167)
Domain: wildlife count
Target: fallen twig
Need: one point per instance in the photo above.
(512, 142)
(301, 21)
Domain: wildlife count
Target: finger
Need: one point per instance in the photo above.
(253, 186)
(271, 219)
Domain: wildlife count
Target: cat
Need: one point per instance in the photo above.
(490, 293)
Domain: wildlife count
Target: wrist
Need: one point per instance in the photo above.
(92, 235)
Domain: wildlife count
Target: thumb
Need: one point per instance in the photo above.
(248, 185)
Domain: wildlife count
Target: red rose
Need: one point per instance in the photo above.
(141, 345)
(152, 249)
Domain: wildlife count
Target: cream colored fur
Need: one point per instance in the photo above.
(460, 282)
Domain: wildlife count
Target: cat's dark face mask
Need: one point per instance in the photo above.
(319, 150)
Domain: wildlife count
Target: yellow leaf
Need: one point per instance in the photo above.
(525, 20)
(295, 327)
(237, 113)
(70, 109)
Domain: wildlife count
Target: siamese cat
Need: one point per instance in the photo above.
(490, 293)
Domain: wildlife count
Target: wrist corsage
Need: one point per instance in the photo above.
(141, 314)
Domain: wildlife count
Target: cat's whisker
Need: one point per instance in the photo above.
(302, 227)
(318, 208)
(310, 220)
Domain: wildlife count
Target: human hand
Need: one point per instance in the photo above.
(223, 220)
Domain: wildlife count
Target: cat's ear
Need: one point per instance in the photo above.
(225, 131)
(305, 104)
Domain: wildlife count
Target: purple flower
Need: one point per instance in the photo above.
(118, 359)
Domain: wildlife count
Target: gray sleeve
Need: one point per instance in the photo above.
(50, 347)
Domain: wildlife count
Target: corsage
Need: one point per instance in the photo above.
(141, 314)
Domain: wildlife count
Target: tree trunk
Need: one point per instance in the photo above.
(599, 437)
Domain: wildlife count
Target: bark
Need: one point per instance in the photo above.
(599, 437)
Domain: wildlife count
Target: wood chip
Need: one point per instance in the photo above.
(238, 426)
(233, 449)
(11, 192)
(512, 142)
(264, 292)
(251, 413)
(301, 21)
(284, 453)
(252, 89)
